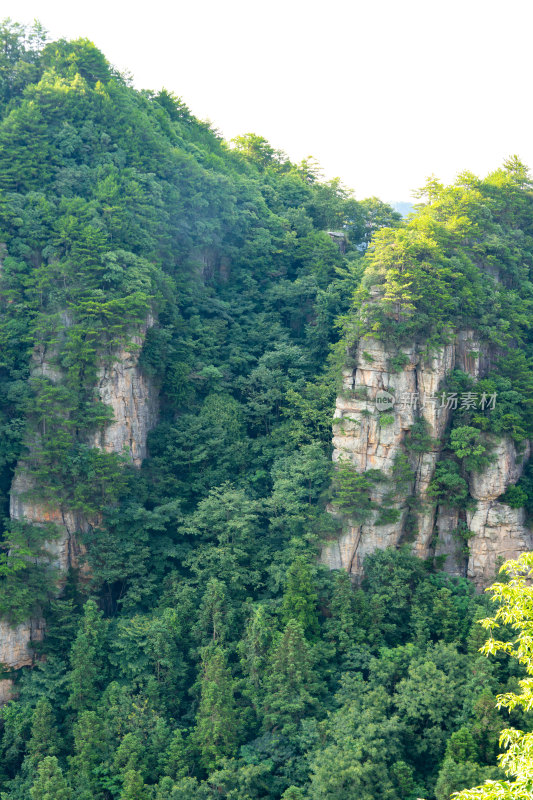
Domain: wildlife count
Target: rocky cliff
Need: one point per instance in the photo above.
(379, 405)
(133, 399)
(16, 650)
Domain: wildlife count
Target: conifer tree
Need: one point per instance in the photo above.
(253, 650)
(347, 624)
(86, 660)
(44, 739)
(216, 722)
(293, 793)
(214, 613)
(184, 789)
(128, 754)
(91, 750)
(300, 599)
(134, 787)
(175, 758)
(50, 783)
(290, 682)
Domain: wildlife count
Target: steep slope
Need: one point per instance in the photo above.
(200, 650)
(142, 256)
(438, 399)
(133, 398)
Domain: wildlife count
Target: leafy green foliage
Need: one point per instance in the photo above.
(28, 578)
(513, 612)
(467, 444)
(300, 599)
(290, 684)
(216, 726)
(514, 496)
(44, 740)
(427, 273)
(352, 490)
(448, 485)
(205, 652)
(50, 782)
(418, 439)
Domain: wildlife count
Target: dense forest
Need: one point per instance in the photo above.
(201, 650)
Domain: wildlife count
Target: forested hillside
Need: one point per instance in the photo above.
(196, 648)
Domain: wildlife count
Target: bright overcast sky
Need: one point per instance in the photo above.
(382, 94)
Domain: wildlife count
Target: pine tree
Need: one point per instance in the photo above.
(352, 490)
(214, 613)
(175, 758)
(50, 783)
(86, 660)
(24, 149)
(44, 739)
(128, 754)
(91, 750)
(293, 793)
(215, 733)
(347, 625)
(134, 787)
(184, 789)
(290, 681)
(300, 600)
(253, 651)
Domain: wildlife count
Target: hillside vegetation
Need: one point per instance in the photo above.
(204, 652)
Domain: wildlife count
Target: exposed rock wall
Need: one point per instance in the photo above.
(500, 531)
(133, 398)
(371, 440)
(24, 505)
(15, 647)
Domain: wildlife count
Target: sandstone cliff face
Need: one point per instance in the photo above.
(15, 645)
(64, 549)
(133, 398)
(371, 440)
(500, 531)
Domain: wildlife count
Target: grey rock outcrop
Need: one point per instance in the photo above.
(133, 398)
(369, 439)
(15, 646)
(500, 532)
(24, 505)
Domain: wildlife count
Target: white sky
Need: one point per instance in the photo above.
(383, 94)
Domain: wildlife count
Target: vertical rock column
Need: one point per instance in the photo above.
(133, 398)
(500, 532)
(360, 437)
